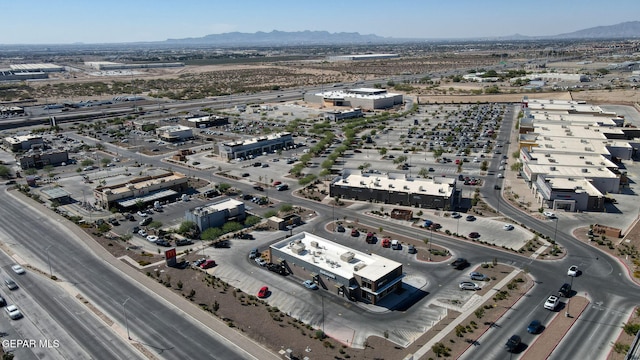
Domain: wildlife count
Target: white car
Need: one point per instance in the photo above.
(260, 261)
(507, 227)
(551, 303)
(549, 214)
(142, 233)
(573, 270)
(468, 285)
(142, 213)
(152, 238)
(18, 269)
(13, 312)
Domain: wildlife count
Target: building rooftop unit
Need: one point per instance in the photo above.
(336, 258)
(398, 182)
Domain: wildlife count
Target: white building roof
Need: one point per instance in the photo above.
(578, 185)
(174, 128)
(399, 182)
(330, 257)
(227, 204)
(359, 93)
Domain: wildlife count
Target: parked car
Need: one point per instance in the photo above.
(470, 218)
(152, 238)
(263, 292)
(513, 343)
(460, 263)
(549, 214)
(182, 242)
(3, 302)
(355, 232)
(208, 264)
(456, 215)
(340, 228)
(260, 261)
(13, 312)
(412, 249)
(163, 242)
(396, 245)
(386, 242)
(474, 235)
(254, 253)
(142, 233)
(146, 221)
(507, 227)
(535, 327)
(468, 285)
(199, 262)
(474, 275)
(18, 269)
(573, 271)
(10, 284)
(551, 303)
(310, 285)
(142, 213)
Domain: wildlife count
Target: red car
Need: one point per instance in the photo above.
(386, 243)
(264, 291)
(208, 264)
(355, 232)
(276, 183)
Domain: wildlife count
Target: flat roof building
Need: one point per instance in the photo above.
(356, 57)
(216, 214)
(173, 133)
(364, 98)
(23, 142)
(348, 272)
(40, 159)
(433, 193)
(145, 189)
(255, 146)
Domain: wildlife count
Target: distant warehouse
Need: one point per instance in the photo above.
(364, 98)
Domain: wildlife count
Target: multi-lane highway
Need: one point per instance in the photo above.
(153, 322)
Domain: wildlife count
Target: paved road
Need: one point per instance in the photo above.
(159, 326)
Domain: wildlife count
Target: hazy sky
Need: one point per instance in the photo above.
(92, 21)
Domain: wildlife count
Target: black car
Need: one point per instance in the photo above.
(513, 343)
(460, 263)
(183, 242)
(259, 188)
(535, 327)
(565, 290)
(340, 228)
(412, 249)
(3, 302)
(471, 218)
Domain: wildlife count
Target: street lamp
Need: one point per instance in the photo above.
(126, 321)
(430, 241)
(49, 260)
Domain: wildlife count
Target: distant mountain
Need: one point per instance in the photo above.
(280, 38)
(630, 29)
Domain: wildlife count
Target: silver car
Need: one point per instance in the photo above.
(468, 285)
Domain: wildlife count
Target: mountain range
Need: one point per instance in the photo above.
(624, 30)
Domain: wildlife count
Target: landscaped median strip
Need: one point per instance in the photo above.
(464, 315)
(544, 344)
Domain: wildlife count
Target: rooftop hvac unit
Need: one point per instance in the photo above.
(359, 266)
(553, 168)
(406, 187)
(547, 155)
(297, 248)
(314, 244)
(348, 256)
(585, 170)
(362, 182)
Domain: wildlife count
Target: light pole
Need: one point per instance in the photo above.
(49, 260)
(430, 241)
(126, 321)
